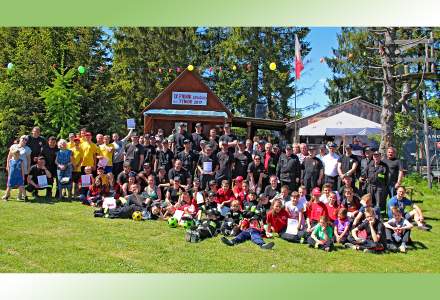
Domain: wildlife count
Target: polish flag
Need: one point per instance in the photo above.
(298, 62)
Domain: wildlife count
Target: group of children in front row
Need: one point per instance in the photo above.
(322, 220)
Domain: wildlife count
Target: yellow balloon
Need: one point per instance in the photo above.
(190, 67)
(234, 67)
(273, 66)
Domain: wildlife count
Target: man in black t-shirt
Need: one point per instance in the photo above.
(164, 157)
(225, 160)
(181, 136)
(197, 137)
(242, 159)
(36, 170)
(188, 157)
(36, 143)
(179, 171)
(313, 170)
(347, 165)
(207, 166)
(375, 234)
(134, 153)
(229, 138)
(289, 169)
(395, 172)
(149, 149)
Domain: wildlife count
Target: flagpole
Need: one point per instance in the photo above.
(294, 113)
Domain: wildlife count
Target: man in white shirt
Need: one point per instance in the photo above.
(330, 162)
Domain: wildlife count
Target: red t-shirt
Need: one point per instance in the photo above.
(316, 210)
(277, 221)
(192, 207)
(266, 160)
(332, 211)
(223, 196)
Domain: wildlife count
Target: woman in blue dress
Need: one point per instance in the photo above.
(64, 168)
(15, 176)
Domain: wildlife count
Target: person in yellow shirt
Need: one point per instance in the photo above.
(71, 143)
(107, 150)
(91, 152)
(77, 159)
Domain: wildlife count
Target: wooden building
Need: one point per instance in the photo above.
(189, 100)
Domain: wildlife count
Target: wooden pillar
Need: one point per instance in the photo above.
(249, 129)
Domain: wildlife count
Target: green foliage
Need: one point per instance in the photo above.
(62, 107)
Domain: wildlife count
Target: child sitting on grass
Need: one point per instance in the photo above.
(322, 235)
(342, 227)
(251, 229)
(315, 210)
(366, 202)
(295, 210)
(276, 219)
(372, 240)
(397, 231)
(230, 226)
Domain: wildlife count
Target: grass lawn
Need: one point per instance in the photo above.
(65, 237)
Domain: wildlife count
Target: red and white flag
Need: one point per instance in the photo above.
(298, 62)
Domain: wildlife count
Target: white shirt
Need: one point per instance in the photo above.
(324, 198)
(294, 210)
(330, 162)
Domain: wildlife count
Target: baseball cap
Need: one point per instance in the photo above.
(182, 125)
(239, 178)
(71, 135)
(227, 126)
(368, 148)
(331, 144)
(316, 192)
(312, 148)
(199, 125)
(212, 182)
(289, 147)
(88, 134)
(376, 152)
(211, 194)
(241, 142)
(177, 178)
(186, 141)
(348, 146)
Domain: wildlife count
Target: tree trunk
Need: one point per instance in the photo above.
(389, 96)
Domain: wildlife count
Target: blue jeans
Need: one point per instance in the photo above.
(391, 190)
(62, 174)
(249, 234)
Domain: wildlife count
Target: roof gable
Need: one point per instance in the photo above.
(188, 81)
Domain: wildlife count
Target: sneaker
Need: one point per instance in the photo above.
(301, 241)
(392, 247)
(350, 246)
(368, 251)
(227, 241)
(267, 246)
(402, 249)
(5, 197)
(316, 245)
(423, 227)
(188, 236)
(327, 249)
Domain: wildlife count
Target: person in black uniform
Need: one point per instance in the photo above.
(188, 157)
(225, 160)
(179, 172)
(363, 170)
(165, 157)
(288, 169)
(347, 165)
(313, 170)
(377, 180)
(149, 149)
(180, 137)
(207, 166)
(50, 154)
(242, 159)
(197, 137)
(36, 143)
(229, 138)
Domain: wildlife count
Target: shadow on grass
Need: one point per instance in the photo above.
(417, 245)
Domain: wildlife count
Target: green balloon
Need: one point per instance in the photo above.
(81, 69)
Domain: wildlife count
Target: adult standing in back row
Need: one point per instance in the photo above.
(36, 142)
(330, 162)
(395, 172)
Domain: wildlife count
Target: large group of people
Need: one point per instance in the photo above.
(218, 183)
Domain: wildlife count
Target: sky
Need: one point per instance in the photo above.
(322, 40)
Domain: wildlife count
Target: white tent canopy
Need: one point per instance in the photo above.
(341, 124)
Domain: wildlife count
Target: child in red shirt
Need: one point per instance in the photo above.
(276, 218)
(187, 204)
(237, 186)
(225, 195)
(315, 210)
(332, 207)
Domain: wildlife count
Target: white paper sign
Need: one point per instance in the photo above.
(85, 180)
(102, 162)
(199, 198)
(223, 210)
(292, 226)
(178, 214)
(188, 98)
(109, 202)
(42, 181)
(207, 166)
(131, 124)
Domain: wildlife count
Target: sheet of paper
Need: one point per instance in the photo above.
(292, 226)
(199, 198)
(178, 214)
(103, 162)
(131, 124)
(109, 202)
(42, 181)
(85, 180)
(207, 166)
(223, 210)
